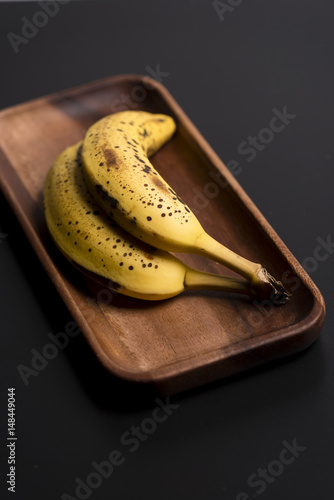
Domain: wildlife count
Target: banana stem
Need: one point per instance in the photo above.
(260, 281)
(198, 280)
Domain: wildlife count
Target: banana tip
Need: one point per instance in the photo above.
(278, 294)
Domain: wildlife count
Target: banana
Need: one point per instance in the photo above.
(88, 237)
(124, 182)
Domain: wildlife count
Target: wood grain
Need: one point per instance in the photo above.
(194, 338)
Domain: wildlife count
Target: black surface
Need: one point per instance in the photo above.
(228, 76)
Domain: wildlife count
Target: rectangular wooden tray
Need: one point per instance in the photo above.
(196, 337)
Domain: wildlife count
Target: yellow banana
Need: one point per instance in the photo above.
(95, 244)
(123, 181)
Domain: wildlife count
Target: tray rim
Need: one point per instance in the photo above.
(308, 330)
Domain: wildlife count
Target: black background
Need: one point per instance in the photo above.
(227, 75)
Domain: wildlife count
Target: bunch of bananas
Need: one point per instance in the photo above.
(113, 216)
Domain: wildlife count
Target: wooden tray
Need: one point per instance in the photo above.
(196, 337)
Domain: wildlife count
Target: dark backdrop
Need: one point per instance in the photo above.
(228, 64)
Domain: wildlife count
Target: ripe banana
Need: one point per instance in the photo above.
(122, 180)
(97, 246)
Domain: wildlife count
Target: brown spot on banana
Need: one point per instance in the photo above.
(110, 156)
(106, 196)
(159, 184)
